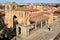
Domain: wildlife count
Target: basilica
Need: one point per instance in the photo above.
(27, 17)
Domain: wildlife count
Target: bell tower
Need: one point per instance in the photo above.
(14, 5)
(9, 7)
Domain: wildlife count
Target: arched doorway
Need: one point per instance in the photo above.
(19, 30)
(15, 22)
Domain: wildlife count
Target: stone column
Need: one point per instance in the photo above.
(48, 26)
(24, 32)
(17, 30)
(46, 22)
(35, 26)
(41, 24)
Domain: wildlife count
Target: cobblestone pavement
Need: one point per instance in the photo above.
(44, 33)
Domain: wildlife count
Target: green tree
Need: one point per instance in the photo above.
(10, 32)
(1, 21)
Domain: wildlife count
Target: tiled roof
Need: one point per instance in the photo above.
(46, 8)
(35, 14)
(46, 12)
(25, 9)
(58, 9)
(38, 18)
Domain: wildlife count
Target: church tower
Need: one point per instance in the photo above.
(9, 7)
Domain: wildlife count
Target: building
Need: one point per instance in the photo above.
(28, 18)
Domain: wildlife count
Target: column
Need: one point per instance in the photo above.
(46, 22)
(24, 32)
(41, 24)
(17, 30)
(48, 26)
(35, 26)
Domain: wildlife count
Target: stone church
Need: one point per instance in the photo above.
(27, 17)
(11, 11)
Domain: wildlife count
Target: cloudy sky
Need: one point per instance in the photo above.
(31, 1)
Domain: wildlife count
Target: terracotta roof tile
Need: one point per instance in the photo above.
(45, 8)
(58, 9)
(25, 9)
(38, 18)
(46, 12)
(35, 14)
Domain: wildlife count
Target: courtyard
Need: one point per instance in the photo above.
(43, 33)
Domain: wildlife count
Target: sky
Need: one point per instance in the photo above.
(31, 1)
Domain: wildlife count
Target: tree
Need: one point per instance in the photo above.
(10, 32)
(1, 21)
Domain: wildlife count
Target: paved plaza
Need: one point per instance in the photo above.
(44, 33)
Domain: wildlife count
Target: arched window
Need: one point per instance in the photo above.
(14, 16)
(15, 21)
(7, 7)
(13, 7)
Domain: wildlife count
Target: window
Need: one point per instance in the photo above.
(26, 14)
(14, 7)
(7, 7)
